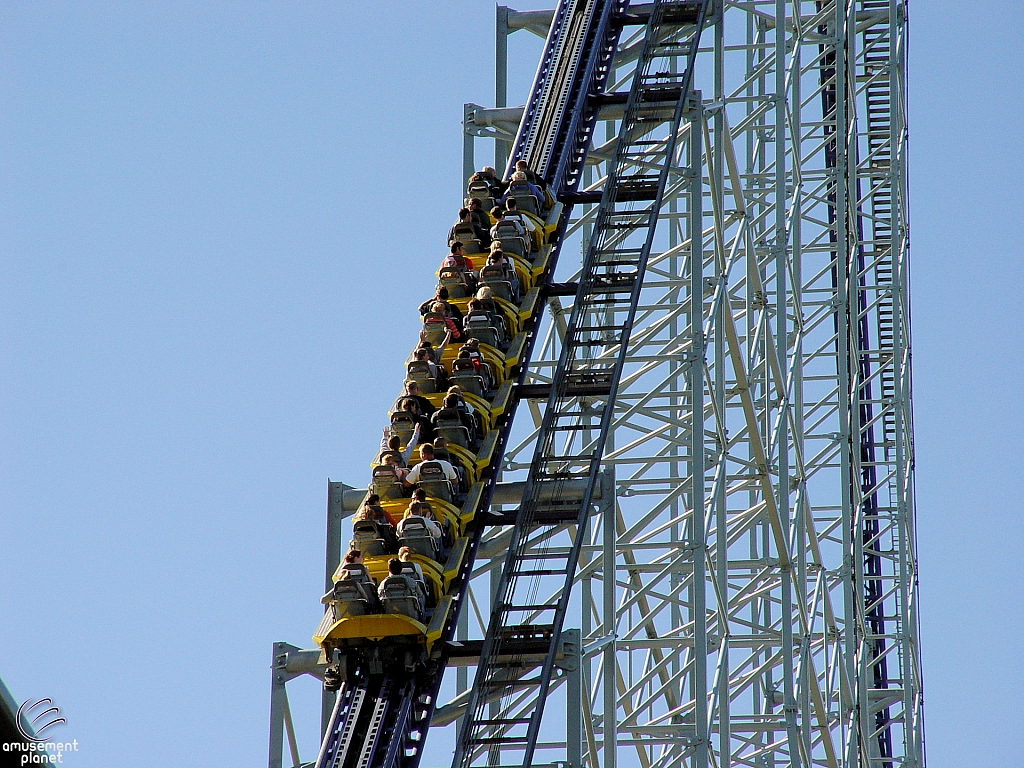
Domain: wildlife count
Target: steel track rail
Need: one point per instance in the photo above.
(581, 32)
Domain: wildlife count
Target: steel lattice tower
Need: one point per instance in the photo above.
(748, 595)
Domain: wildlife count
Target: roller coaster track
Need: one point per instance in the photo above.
(378, 723)
(798, 591)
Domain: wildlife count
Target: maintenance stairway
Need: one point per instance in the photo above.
(570, 444)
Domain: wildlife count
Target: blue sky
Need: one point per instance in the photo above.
(216, 220)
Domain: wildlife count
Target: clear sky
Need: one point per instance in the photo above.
(216, 221)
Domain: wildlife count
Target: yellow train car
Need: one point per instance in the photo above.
(377, 638)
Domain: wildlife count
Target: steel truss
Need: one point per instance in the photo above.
(747, 588)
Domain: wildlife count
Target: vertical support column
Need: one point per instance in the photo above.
(780, 239)
(909, 640)
(843, 249)
(796, 405)
(587, 595)
(864, 659)
(721, 519)
(462, 673)
(676, 406)
(695, 312)
(293, 746)
(468, 148)
(280, 713)
(494, 708)
(572, 643)
(278, 699)
(500, 80)
(608, 567)
(335, 513)
(751, 153)
(758, 161)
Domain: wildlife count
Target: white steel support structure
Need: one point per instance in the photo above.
(748, 596)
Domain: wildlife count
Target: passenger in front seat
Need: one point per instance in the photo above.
(471, 351)
(412, 407)
(519, 178)
(498, 258)
(427, 456)
(372, 510)
(410, 566)
(476, 210)
(392, 461)
(441, 295)
(512, 213)
(412, 389)
(523, 167)
(424, 355)
(426, 510)
(400, 593)
(545, 200)
(464, 405)
(457, 258)
(383, 529)
(454, 329)
(353, 569)
(451, 402)
(488, 174)
(466, 217)
(393, 444)
(416, 511)
(421, 496)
